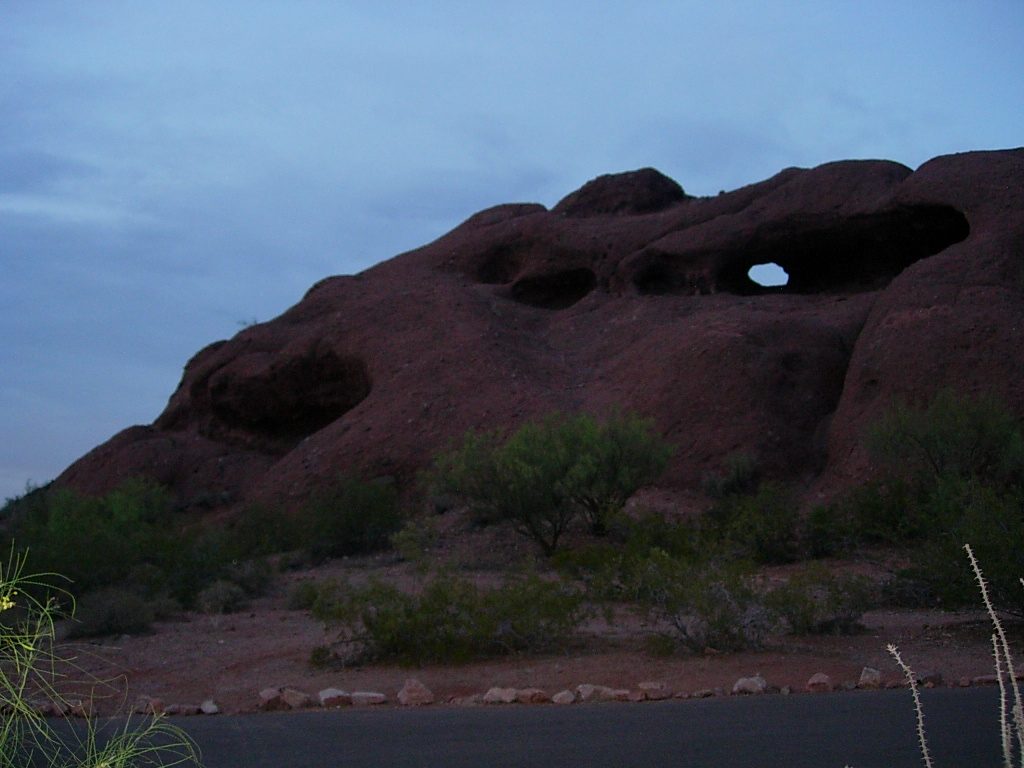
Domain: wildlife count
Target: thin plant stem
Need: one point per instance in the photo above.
(1004, 648)
(925, 754)
(1004, 717)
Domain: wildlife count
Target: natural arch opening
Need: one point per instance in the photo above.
(769, 275)
(857, 253)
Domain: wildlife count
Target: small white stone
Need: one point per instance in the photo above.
(500, 696)
(819, 683)
(755, 684)
(334, 697)
(209, 707)
(415, 693)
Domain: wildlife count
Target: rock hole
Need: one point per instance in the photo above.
(769, 275)
(858, 253)
(558, 290)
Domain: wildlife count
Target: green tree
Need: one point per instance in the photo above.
(550, 472)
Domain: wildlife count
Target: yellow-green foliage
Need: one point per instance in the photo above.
(28, 676)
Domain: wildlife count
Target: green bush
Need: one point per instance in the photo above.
(134, 538)
(815, 601)
(615, 570)
(98, 541)
(706, 605)
(740, 475)
(264, 530)
(971, 438)
(112, 611)
(352, 517)
(450, 620)
(993, 521)
(303, 595)
(888, 513)
(550, 472)
(414, 540)
(765, 527)
(957, 465)
(221, 597)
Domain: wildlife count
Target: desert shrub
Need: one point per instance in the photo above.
(252, 576)
(615, 570)
(971, 438)
(221, 597)
(265, 530)
(27, 674)
(993, 521)
(764, 527)
(450, 620)
(889, 513)
(112, 611)
(97, 541)
(303, 595)
(958, 467)
(352, 517)
(705, 605)
(552, 471)
(740, 475)
(133, 537)
(414, 539)
(816, 601)
(615, 457)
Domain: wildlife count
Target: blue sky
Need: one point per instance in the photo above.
(171, 170)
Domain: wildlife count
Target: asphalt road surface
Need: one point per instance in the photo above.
(864, 729)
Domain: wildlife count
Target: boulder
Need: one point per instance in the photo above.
(415, 693)
(929, 679)
(754, 685)
(564, 697)
(334, 697)
(870, 678)
(80, 708)
(209, 707)
(819, 682)
(295, 699)
(368, 699)
(532, 696)
(149, 705)
(500, 696)
(271, 700)
(631, 293)
(655, 690)
(182, 710)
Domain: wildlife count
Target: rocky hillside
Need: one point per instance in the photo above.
(628, 292)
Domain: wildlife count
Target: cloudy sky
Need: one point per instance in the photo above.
(170, 170)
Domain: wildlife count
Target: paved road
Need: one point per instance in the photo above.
(861, 729)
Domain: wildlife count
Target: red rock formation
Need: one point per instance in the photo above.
(631, 293)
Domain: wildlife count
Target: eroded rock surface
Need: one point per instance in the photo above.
(631, 293)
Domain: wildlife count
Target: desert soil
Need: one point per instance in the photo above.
(231, 658)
